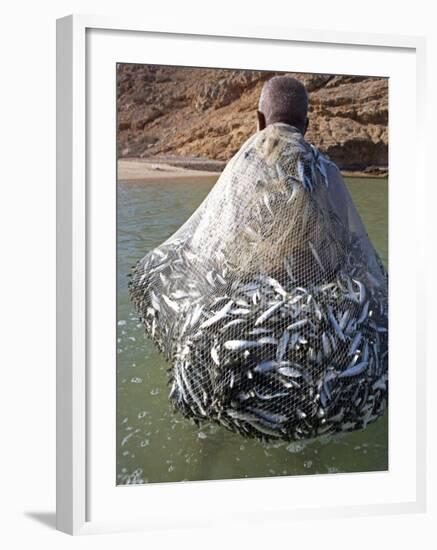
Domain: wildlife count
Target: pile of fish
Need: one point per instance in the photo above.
(270, 303)
(269, 359)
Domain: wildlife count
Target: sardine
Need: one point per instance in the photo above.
(236, 345)
(326, 345)
(282, 345)
(297, 324)
(268, 313)
(217, 316)
(215, 355)
(171, 304)
(364, 312)
(267, 340)
(316, 256)
(290, 372)
(355, 343)
(357, 369)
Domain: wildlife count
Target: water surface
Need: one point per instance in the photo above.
(156, 445)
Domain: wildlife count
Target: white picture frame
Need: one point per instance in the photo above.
(76, 168)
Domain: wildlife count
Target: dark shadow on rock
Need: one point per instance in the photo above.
(46, 518)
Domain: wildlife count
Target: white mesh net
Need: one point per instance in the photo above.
(270, 302)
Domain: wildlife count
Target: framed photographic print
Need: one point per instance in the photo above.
(232, 274)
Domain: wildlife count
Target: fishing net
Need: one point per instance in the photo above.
(270, 302)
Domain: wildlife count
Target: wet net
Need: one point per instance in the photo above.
(270, 302)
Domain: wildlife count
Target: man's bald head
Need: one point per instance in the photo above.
(283, 99)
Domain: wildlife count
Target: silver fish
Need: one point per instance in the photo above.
(221, 279)
(232, 323)
(275, 285)
(364, 312)
(236, 345)
(344, 319)
(260, 330)
(297, 324)
(171, 304)
(268, 313)
(326, 345)
(267, 340)
(192, 392)
(215, 355)
(263, 429)
(357, 369)
(355, 343)
(380, 384)
(270, 417)
(335, 324)
(218, 316)
(268, 396)
(290, 372)
(154, 300)
(270, 365)
(362, 291)
(316, 256)
(282, 345)
(239, 311)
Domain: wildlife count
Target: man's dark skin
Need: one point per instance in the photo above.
(283, 99)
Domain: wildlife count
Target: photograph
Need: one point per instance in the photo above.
(252, 273)
(220, 220)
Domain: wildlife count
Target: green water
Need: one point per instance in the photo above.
(156, 445)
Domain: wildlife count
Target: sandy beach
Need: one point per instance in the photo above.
(146, 171)
(141, 171)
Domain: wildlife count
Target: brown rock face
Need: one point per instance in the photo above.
(211, 112)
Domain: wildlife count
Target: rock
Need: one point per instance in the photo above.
(211, 112)
(124, 125)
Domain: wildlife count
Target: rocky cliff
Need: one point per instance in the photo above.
(209, 113)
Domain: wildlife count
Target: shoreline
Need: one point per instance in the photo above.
(166, 170)
(141, 171)
(383, 174)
